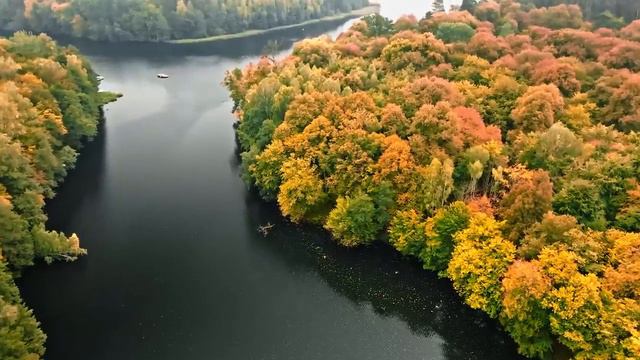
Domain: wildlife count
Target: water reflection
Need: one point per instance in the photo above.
(85, 185)
(391, 285)
(235, 48)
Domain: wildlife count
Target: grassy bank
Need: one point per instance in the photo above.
(107, 97)
(355, 13)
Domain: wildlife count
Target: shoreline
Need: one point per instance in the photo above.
(372, 8)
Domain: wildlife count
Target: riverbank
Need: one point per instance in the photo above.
(373, 8)
(35, 157)
(107, 97)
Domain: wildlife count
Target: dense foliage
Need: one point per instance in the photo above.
(603, 13)
(501, 148)
(598, 10)
(49, 102)
(156, 20)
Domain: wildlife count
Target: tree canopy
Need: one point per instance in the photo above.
(49, 103)
(499, 146)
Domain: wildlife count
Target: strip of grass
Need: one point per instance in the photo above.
(106, 97)
(355, 13)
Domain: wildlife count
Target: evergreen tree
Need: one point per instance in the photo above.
(438, 6)
(469, 5)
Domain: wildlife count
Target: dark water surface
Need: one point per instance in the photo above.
(176, 268)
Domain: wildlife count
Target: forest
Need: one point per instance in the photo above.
(606, 13)
(594, 9)
(498, 145)
(158, 20)
(49, 103)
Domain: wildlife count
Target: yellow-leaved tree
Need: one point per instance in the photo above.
(480, 260)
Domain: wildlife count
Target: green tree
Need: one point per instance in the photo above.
(581, 199)
(454, 32)
(629, 216)
(439, 231)
(21, 335)
(606, 19)
(354, 221)
(437, 6)
(554, 150)
(378, 25)
(469, 5)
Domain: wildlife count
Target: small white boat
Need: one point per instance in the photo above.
(163, 76)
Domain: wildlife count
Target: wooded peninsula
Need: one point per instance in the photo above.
(498, 145)
(49, 103)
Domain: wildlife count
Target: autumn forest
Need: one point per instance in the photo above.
(494, 145)
(498, 145)
(49, 103)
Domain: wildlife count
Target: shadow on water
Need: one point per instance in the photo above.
(83, 183)
(377, 275)
(394, 286)
(232, 48)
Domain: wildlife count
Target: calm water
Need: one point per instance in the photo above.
(176, 268)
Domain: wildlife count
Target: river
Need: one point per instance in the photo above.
(176, 268)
